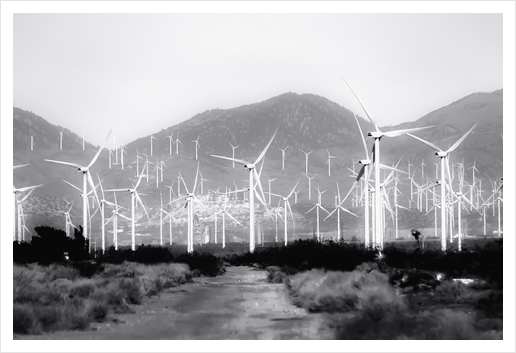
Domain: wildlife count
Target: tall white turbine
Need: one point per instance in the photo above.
(177, 144)
(134, 198)
(309, 186)
(338, 207)
(234, 148)
(171, 141)
(196, 147)
(270, 181)
(32, 143)
(283, 157)
(317, 207)
(377, 135)
(190, 197)
(19, 207)
(306, 160)
(122, 152)
(363, 171)
(151, 138)
(68, 219)
(86, 177)
(329, 161)
(252, 172)
(444, 155)
(224, 212)
(286, 205)
(83, 132)
(114, 218)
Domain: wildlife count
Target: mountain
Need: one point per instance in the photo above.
(306, 121)
(45, 135)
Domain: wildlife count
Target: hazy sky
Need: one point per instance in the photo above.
(140, 73)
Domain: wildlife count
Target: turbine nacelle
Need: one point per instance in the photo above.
(375, 134)
(249, 166)
(441, 154)
(364, 161)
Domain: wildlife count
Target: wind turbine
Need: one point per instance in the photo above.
(306, 160)
(177, 144)
(252, 173)
(190, 197)
(86, 177)
(270, 181)
(444, 155)
(363, 171)
(224, 212)
(171, 141)
(83, 132)
(377, 135)
(329, 161)
(18, 203)
(61, 140)
(151, 138)
(317, 207)
(286, 205)
(339, 207)
(309, 185)
(114, 218)
(32, 143)
(196, 147)
(234, 148)
(134, 198)
(68, 219)
(283, 157)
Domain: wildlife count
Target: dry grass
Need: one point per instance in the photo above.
(56, 298)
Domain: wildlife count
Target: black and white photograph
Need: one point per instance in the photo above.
(274, 172)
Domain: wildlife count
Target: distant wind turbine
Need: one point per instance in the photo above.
(86, 179)
(444, 167)
(329, 161)
(306, 160)
(283, 157)
(252, 173)
(234, 148)
(134, 198)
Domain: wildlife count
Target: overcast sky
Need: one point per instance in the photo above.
(140, 73)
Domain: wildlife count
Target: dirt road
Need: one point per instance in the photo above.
(239, 305)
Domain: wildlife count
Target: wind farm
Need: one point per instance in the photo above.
(184, 192)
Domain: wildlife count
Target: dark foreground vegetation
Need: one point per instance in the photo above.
(395, 294)
(59, 285)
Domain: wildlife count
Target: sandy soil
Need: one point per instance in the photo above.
(239, 305)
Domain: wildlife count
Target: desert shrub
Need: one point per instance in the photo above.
(207, 264)
(332, 291)
(387, 323)
(44, 302)
(132, 290)
(276, 274)
(24, 320)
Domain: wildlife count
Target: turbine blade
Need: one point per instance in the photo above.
(361, 135)
(363, 107)
(266, 147)
(75, 187)
(293, 189)
(396, 133)
(456, 144)
(100, 150)
(75, 165)
(310, 209)
(426, 143)
(230, 216)
(348, 211)
(240, 161)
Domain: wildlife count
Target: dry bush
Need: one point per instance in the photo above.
(43, 301)
(332, 291)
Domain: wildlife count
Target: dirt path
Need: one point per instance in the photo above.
(239, 305)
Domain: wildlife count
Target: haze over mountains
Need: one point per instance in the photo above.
(305, 122)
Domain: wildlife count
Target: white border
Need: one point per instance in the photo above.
(9, 8)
